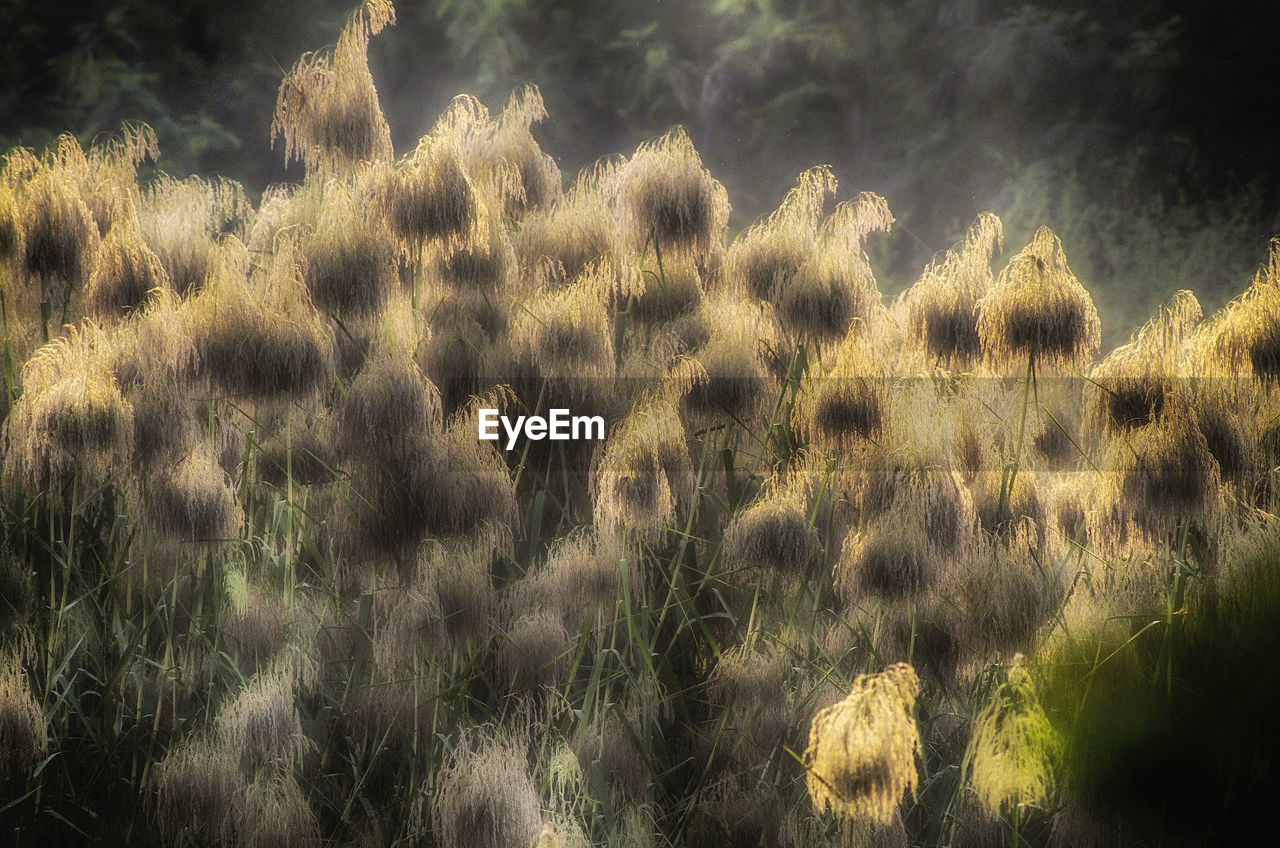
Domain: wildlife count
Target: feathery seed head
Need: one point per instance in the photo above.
(672, 198)
(22, 728)
(198, 787)
(1168, 473)
(1014, 749)
(182, 220)
(1038, 308)
(262, 723)
(726, 378)
(327, 109)
(536, 652)
(388, 401)
(564, 337)
(193, 500)
(275, 813)
(862, 751)
(766, 257)
(349, 264)
(506, 156)
(773, 535)
(59, 236)
(578, 233)
(258, 335)
(644, 474)
(124, 275)
(71, 422)
(1128, 388)
(942, 305)
(486, 797)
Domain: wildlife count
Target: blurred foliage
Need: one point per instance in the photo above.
(1128, 127)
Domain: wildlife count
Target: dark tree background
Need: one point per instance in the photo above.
(1140, 131)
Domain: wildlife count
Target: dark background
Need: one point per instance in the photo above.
(1142, 132)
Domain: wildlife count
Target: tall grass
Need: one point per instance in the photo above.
(842, 572)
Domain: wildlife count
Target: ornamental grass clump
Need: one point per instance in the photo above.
(564, 342)
(71, 423)
(262, 723)
(726, 378)
(579, 233)
(483, 268)
(389, 400)
(1038, 309)
(671, 289)
(478, 496)
(10, 235)
(644, 478)
(1014, 751)
(608, 743)
(255, 621)
(750, 685)
(327, 109)
(193, 500)
(182, 221)
(124, 275)
(1011, 511)
(485, 796)
(428, 196)
(58, 234)
(22, 728)
(303, 450)
(765, 258)
(835, 284)
(581, 580)
(671, 199)
(942, 308)
(1167, 473)
(891, 558)
(109, 182)
(509, 158)
(348, 260)
(842, 404)
(256, 333)
(1129, 387)
(275, 813)
(1247, 330)
(198, 786)
(535, 653)
(773, 536)
(862, 751)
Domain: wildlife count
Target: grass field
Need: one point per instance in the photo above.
(845, 571)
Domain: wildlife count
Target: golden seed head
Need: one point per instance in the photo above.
(506, 157)
(644, 474)
(262, 723)
(485, 797)
(773, 535)
(1038, 308)
(71, 422)
(193, 499)
(1014, 749)
(125, 274)
(942, 305)
(22, 729)
(275, 813)
(862, 751)
(1128, 388)
(256, 333)
(327, 109)
(198, 787)
(671, 198)
(765, 258)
